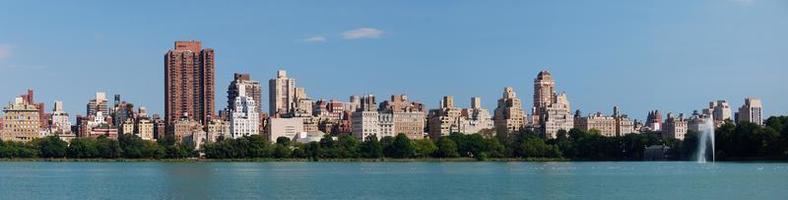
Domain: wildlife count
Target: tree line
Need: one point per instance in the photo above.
(742, 141)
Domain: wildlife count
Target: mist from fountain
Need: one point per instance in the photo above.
(706, 140)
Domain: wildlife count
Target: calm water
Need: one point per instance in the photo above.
(583, 180)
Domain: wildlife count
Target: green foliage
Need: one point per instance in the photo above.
(424, 148)
(447, 148)
(743, 141)
(372, 148)
(401, 147)
(51, 147)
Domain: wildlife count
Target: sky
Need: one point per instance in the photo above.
(671, 55)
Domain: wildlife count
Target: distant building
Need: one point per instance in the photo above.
(445, 120)
(751, 111)
(365, 120)
(60, 123)
(284, 127)
(509, 116)
(653, 122)
(544, 95)
(189, 82)
(244, 120)
(186, 129)
(675, 127)
(407, 117)
(43, 117)
(218, 128)
(477, 119)
(282, 94)
(720, 111)
(610, 126)
(556, 116)
(21, 121)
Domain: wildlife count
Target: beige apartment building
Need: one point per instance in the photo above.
(21, 122)
(509, 116)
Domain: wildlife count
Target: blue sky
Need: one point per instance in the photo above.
(674, 56)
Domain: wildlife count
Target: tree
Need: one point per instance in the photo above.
(424, 148)
(51, 147)
(402, 147)
(82, 148)
(108, 148)
(447, 148)
(281, 151)
(371, 148)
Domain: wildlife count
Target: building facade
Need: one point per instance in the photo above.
(751, 111)
(189, 82)
(509, 116)
(281, 94)
(21, 121)
(675, 127)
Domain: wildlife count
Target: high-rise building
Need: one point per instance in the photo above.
(252, 89)
(43, 117)
(244, 120)
(21, 121)
(509, 116)
(751, 111)
(98, 104)
(720, 111)
(477, 119)
(281, 94)
(189, 82)
(366, 120)
(675, 127)
(556, 116)
(544, 94)
(60, 123)
(302, 107)
(445, 120)
(407, 117)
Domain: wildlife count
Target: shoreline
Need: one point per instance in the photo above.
(346, 160)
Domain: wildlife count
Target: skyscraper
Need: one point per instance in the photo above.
(751, 111)
(98, 104)
(251, 87)
(189, 75)
(509, 115)
(282, 94)
(244, 120)
(59, 122)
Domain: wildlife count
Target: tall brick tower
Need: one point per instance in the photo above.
(189, 82)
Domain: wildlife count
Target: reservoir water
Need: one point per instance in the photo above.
(407, 180)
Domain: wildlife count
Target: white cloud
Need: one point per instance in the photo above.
(5, 51)
(315, 39)
(362, 33)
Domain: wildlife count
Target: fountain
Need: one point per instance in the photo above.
(705, 139)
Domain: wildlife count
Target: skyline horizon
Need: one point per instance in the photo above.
(460, 102)
(671, 56)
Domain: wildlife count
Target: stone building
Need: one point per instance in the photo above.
(751, 111)
(610, 126)
(284, 127)
(21, 121)
(445, 120)
(675, 127)
(556, 116)
(281, 94)
(509, 116)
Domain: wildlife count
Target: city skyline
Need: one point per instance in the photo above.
(667, 81)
